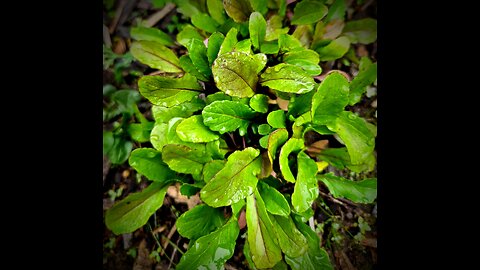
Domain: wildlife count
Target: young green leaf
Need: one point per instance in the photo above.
(151, 34)
(259, 6)
(274, 28)
(237, 207)
(291, 146)
(212, 250)
(186, 109)
(155, 55)
(148, 161)
(289, 43)
(306, 59)
(330, 98)
(169, 92)
(238, 10)
(308, 11)
(261, 238)
(339, 158)
(187, 65)
(257, 27)
(225, 116)
(216, 10)
(199, 221)
(362, 31)
(287, 78)
(259, 103)
(264, 129)
(269, 47)
(120, 150)
(244, 46)
(184, 159)
(187, 34)
(214, 43)
(336, 11)
(364, 191)
(306, 187)
(211, 168)
(229, 41)
(198, 54)
(354, 132)
(165, 133)
(133, 212)
(263, 141)
(334, 50)
(217, 149)
(217, 97)
(275, 202)
(300, 104)
(275, 140)
(290, 239)
(108, 141)
(235, 181)
(276, 119)
(205, 22)
(193, 130)
(366, 76)
(236, 73)
(140, 132)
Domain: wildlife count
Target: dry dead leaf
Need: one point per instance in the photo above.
(283, 104)
(174, 192)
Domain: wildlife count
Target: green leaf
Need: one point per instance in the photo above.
(334, 50)
(260, 236)
(257, 27)
(193, 130)
(126, 100)
(330, 98)
(275, 203)
(315, 257)
(212, 250)
(276, 119)
(288, 43)
(264, 129)
(336, 11)
(292, 145)
(225, 116)
(275, 140)
(140, 132)
(187, 65)
(263, 141)
(269, 47)
(306, 187)
(362, 31)
(189, 7)
(365, 77)
(306, 59)
(211, 168)
(165, 133)
(237, 207)
(235, 181)
(205, 22)
(290, 239)
(151, 34)
(214, 43)
(308, 11)
(229, 41)
(274, 28)
(148, 162)
(248, 256)
(188, 33)
(120, 150)
(364, 191)
(155, 55)
(236, 73)
(300, 104)
(259, 103)
(198, 54)
(238, 10)
(184, 159)
(259, 6)
(217, 149)
(216, 10)
(244, 46)
(199, 221)
(186, 109)
(108, 141)
(216, 97)
(287, 78)
(340, 158)
(133, 212)
(356, 135)
(190, 189)
(169, 92)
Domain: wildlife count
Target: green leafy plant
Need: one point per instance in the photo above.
(238, 120)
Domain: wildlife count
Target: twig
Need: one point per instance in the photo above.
(157, 16)
(173, 244)
(106, 37)
(339, 200)
(173, 256)
(118, 13)
(165, 243)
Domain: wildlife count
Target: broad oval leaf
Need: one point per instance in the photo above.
(216, 10)
(148, 161)
(140, 132)
(199, 221)
(212, 250)
(306, 59)
(184, 159)
(235, 181)
(264, 129)
(205, 22)
(336, 11)
(214, 43)
(155, 55)
(238, 10)
(169, 92)
(193, 130)
(187, 34)
(187, 65)
(120, 150)
(366, 76)
(164, 114)
(364, 191)
(276, 119)
(287, 78)
(236, 73)
(361, 31)
(330, 98)
(291, 146)
(151, 34)
(257, 27)
(288, 42)
(306, 187)
(165, 133)
(133, 212)
(225, 116)
(290, 239)
(275, 140)
(261, 238)
(308, 11)
(334, 50)
(259, 103)
(275, 202)
(198, 54)
(211, 168)
(108, 141)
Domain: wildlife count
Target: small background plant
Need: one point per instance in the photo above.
(253, 134)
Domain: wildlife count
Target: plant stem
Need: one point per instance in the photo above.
(139, 115)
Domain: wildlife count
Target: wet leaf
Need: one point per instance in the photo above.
(193, 130)
(259, 103)
(275, 140)
(204, 22)
(148, 162)
(229, 42)
(306, 187)
(186, 109)
(244, 46)
(214, 43)
(155, 55)
(151, 34)
(362, 31)
(308, 11)
(235, 181)
(257, 27)
(306, 59)
(184, 159)
(187, 34)
(287, 78)
(199, 221)
(238, 10)
(364, 191)
(275, 202)
(210, 169)
(330, 98)
(365, 77)
(291, 146)
(276, 119)
(334, 50)
(198, 54)
(169, 92)
(225, 116)
(290, 239)
(133, 212)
